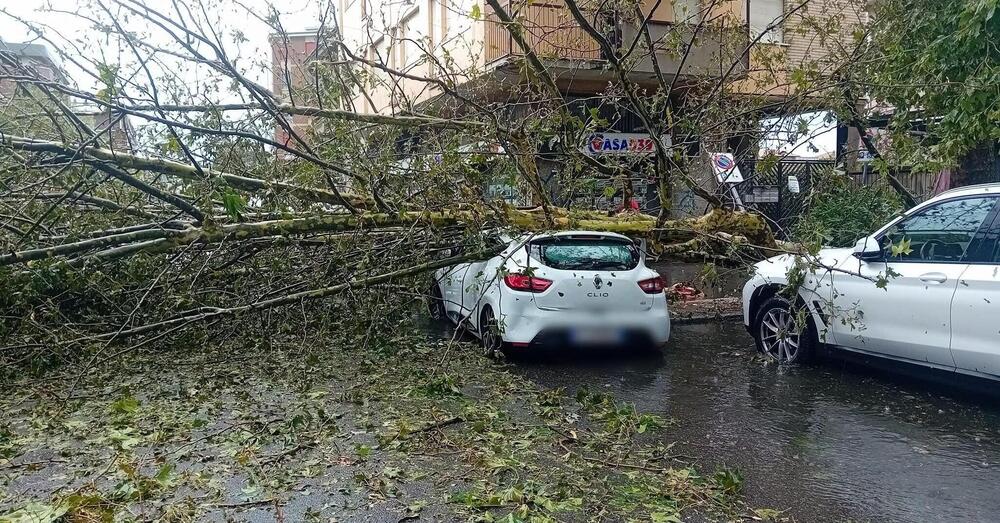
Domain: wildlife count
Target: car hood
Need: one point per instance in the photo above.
(827, 258)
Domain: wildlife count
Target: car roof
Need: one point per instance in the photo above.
(604, 234)
(969, 190)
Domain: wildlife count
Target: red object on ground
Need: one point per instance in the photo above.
(685, 291)
(631, 206)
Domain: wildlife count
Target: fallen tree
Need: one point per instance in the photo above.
(672, 237)
(227, 212)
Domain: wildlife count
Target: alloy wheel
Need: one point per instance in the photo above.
(489, 334)
(435, 304)
(779, 335)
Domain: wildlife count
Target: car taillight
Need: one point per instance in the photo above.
(652, 285)
(523, 282)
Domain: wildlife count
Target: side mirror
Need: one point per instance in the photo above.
(869, 248)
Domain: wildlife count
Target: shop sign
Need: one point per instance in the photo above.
(640, 144)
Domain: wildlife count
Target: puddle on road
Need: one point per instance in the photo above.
(824, 441)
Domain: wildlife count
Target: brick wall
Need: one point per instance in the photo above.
(290, 79)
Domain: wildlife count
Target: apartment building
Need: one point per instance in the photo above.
(464, 39)
(405, 44)
(26, 59)
(21, 64)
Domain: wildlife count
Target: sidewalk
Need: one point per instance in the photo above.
(699, 311)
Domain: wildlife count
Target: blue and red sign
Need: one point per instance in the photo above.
(620, 143)
(724, 162)
(726, 170)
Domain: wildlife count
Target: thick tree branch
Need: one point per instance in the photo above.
(128, 161)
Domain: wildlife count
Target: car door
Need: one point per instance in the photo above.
(473, 287)
(910, 317)
(975, 338)
(451, 282)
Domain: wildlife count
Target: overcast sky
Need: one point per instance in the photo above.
(61, 22)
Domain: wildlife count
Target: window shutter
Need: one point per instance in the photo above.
(764, 13)
(687, 11)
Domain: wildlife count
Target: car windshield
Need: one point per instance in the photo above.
(602, 254)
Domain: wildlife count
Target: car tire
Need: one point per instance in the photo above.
(435, 302)
(489, 334)
(777, 335)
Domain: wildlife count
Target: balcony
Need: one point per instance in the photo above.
(565, 47)
(550, 30)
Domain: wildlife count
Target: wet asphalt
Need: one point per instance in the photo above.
(829, 441)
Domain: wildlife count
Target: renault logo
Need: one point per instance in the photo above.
(598, 282)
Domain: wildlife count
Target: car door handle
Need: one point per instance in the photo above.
(933, 277)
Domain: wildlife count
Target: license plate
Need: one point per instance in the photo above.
(596, 336)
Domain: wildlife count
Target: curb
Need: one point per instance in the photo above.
(704, 318)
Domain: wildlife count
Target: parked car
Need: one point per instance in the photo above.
(924, 289)
(574, 287)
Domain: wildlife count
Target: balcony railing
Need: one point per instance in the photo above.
(549, 29)
(553, 33)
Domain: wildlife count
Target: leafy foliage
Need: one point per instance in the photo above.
(322, 422)
(840, 213)
(937, 64)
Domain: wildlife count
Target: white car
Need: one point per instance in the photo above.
(575, 287)
(924, 289)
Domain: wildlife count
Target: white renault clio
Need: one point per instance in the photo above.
(574, 288)
(924, 289)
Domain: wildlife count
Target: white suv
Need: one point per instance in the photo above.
(573, 287)
(923, 289)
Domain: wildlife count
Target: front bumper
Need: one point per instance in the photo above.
(749, 288)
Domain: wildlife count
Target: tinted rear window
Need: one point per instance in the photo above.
(571, 254)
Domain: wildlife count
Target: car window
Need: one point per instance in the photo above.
(586, 254)
(991, 243)
(940, 233)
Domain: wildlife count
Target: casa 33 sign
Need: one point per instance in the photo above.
(639, 144)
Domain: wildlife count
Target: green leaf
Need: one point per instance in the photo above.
(107, 75)
(125, 405)
(902, 248)
(476, 13)
(172, 145)
(416, 507)
(233, 203)
(35, 513)
(665, 517)
(163, 475)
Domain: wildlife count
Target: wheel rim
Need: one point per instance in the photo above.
(779, 336)
(489, 335)
(434, 305)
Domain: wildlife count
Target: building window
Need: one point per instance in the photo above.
(764, 14)
(687, 11)
(431, 39)
(400, 41)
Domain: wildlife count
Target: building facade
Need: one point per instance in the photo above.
(34, 63)
(25, 59)
(404, 47)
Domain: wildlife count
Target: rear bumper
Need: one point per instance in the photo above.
(564, 337)
(524, 323)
